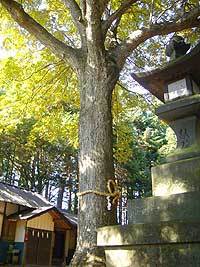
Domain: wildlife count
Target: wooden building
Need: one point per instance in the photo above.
(32, 231)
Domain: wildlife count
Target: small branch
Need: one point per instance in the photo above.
(117, 14)
(83, 7)
(53, 81)
(33, 27)
(49, 66)
(74, 9)
(103, 4)
(139, 36)
(151, 12)
(144, 96)
(77, 18)
(134, 63)
(175, 3)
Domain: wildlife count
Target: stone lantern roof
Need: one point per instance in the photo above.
(154, 81)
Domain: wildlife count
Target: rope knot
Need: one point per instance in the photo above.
(113, 191)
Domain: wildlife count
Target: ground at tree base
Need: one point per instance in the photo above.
(92, 257)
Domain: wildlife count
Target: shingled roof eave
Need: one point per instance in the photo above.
(154, 80)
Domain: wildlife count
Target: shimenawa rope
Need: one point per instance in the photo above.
(113, 191)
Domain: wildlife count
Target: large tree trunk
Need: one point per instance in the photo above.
(95, 163)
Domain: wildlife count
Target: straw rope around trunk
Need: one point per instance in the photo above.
(113, 191)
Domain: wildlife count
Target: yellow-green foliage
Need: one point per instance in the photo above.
(124, 106)
(35, 84)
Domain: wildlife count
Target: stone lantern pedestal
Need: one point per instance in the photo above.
(164, 230)
(181, 173)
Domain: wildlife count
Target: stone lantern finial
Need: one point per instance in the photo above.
(176, 47)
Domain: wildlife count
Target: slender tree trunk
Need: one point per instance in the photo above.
(70, 195)
(75, 190)
(120, 211)
(75, 204)
(47, 190)
(61, 191)
(95, 164)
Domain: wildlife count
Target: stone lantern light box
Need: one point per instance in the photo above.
(178, 78)
(176, 48)
(180, 88)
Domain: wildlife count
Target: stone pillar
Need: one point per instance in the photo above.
(181, 173)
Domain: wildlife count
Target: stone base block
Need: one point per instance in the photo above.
(177, 207)
(177, 255)
(149, 233)
(163, 244)
(176, 177)
(183, 153)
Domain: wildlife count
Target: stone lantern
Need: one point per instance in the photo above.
(164, 230)
(178, 85)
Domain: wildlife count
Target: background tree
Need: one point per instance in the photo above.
(100, 41)
(38, 128)
(40, 166)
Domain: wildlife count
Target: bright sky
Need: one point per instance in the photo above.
(4, 53)
(1, 50)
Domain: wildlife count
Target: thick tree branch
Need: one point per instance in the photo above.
(103, 5)
(117, 14)
(47, 39)
(95, 44)
(74, 8)
(139, 36)
(77, 18)
(83, 7)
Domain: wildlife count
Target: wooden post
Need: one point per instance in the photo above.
(52, 244)
(4, 215)
(24, 250)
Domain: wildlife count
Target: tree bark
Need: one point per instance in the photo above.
(47, 190)
(69, 189)
(60, 195)
(95, 161)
